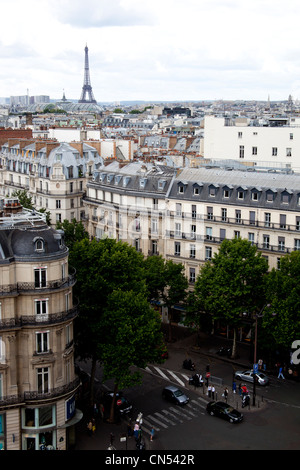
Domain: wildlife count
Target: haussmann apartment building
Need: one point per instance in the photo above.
(38, 385)
(184, 215)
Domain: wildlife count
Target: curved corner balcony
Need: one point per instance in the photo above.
(19, 287)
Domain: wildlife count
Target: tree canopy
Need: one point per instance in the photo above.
(116, 324)
(230, 284)
(283, 293)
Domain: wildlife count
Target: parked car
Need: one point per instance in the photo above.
(225, 411)
(122, 405)
(175, 395)
(248, 376)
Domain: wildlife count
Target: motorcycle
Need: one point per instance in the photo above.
(188, 364)
(245, 401)
(196, 380)
(224, 352)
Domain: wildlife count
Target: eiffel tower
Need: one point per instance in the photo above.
(87, 88)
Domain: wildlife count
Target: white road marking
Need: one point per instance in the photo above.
(157, 421)
(166, 419)
(176, 378)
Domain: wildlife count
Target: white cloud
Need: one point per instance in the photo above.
(151, 49)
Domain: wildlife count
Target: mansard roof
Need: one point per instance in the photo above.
(249, 182)
(134, 177)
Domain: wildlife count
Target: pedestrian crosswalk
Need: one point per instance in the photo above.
(176, 377)
(173, 416)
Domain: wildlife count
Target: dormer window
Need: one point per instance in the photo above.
(197, 188)
(212, 190)
(39, 244)
(126, 180)
(270, 195)
(181, 187)
(227, 191)
(143, 182)
(161, 184)
(285, 197)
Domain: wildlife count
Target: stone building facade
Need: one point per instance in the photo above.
(184, 215)
(38, 384)
(54, 174)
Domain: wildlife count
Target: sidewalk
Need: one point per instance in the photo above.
(101, 439)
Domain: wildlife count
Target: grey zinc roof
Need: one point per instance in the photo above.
(246, 179)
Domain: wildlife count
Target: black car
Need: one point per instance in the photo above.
(225, 411)
(122, 405)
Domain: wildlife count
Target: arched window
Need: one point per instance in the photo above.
(39, 244)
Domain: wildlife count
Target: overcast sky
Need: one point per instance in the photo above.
(152, 50)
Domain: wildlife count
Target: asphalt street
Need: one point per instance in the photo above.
(272, 424)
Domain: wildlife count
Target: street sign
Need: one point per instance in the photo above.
(255, 368)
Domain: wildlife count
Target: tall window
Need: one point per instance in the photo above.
(242, 151)
(42, 342)
(40, 277)
(266, 239)
(154, 226)
(41, 307)
(224, 214)
(193, 231)
(178, 230)
(192, 277)
(267, 219)
(208, 252)
(192, 251)
(208, 233)
(2, 351)
(154, 247)
(43, 379)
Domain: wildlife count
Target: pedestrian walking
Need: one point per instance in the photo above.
(213, 392)
(136, 430)
(280, 375)
(209, 391)
(240, 389)
(234, 386)
(90, 428)
(152, 434)
(225, 394)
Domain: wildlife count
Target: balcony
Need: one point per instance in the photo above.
(68, 281)
(33, 396)
(42, 319)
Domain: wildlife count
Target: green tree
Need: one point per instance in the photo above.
(166, 282)
(74, 231)
(155, 278)
(26, 202)
(282, 319)
(24, 198)
(101, 268)
(232, 283)
(133, 334)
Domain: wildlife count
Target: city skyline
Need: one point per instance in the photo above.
(152, 51)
